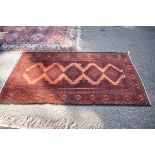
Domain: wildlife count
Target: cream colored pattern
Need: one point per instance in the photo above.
(83, 76)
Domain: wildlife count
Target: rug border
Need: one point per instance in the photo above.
(145, 91)
(12, 69)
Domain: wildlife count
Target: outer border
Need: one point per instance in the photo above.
(140, 78)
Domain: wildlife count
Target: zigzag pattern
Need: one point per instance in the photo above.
(71, 81)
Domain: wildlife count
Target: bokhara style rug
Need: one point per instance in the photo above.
(74, 78)
(39, 38)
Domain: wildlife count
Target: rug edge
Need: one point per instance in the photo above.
(145, 91)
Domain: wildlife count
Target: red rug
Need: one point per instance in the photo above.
(74, 78)
(39, 38)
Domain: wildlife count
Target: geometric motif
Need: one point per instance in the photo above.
(74, 73)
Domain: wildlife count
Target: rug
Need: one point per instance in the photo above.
(39, 38)
(74, 78)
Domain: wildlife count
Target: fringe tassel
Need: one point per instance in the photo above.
(23, 121)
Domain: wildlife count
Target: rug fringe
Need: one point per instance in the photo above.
(23, 121)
